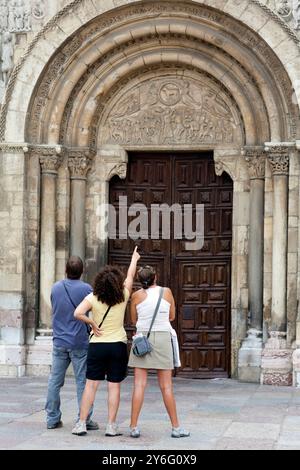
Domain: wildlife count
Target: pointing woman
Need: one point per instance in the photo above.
(107, 355)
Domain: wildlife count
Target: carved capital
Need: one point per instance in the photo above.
(79, 163)
(256, 160)
(279, 158)
(50, 158)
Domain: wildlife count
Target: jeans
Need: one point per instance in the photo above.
(62, 358)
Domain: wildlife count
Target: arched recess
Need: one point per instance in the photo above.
(111, 55)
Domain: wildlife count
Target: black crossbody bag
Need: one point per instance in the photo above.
(141, 344)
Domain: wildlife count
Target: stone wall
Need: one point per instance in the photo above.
(12, 261)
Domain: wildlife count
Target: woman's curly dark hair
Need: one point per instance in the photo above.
(109, 286)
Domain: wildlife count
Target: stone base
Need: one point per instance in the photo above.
(39, 358)
(249, 360)
(296, 367)
(277, 361)
(12, 360)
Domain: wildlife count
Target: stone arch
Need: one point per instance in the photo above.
(249, 18)
(222, 55)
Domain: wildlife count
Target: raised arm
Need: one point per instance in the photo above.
(133, 312)
(80, 314)
(169, 298)
(132, 270)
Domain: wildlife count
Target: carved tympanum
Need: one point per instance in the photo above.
(169, 110)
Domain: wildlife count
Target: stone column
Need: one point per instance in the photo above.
(251, 350)
(276, 360)
(234, 164)
(110, 160)
(79, 162)
(50, 160)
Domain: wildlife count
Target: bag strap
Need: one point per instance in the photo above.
(67, 292)
(156, 310)
(75, 306)
(107, 312)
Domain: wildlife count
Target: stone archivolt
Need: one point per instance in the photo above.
(110, 22)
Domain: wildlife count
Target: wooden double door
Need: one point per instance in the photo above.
(200, 280)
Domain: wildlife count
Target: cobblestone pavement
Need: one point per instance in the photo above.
(221, 414)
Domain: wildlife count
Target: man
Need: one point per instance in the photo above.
(70, 341)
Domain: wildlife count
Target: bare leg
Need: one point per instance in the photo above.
(140, 383)
(114, 392)
(88, 398)
(166, 387)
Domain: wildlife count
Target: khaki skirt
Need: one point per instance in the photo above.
(160, 358)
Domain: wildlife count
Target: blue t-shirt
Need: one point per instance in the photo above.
(67, 331)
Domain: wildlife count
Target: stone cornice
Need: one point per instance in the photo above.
(256, 159)
(14, 147)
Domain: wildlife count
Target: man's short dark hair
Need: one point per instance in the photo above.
(74, 268)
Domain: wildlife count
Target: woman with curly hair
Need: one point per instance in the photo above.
(107, 355)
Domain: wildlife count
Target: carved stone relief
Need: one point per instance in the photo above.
(15, 17)
(289, 10)
(256, 161)
(170, 110)
(278, 157)
(296, 14)
(38, 9)
(19, 15)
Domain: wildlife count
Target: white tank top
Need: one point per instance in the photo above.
(146, 309)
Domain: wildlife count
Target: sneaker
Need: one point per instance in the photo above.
(55, 426)
(135, 433)
(92, 426)
(179, 432)
(112, 430)
(79, 429)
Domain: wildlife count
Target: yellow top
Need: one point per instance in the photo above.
(113, 327)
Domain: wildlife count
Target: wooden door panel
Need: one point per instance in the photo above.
(200, 280)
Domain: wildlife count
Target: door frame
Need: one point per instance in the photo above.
(112, 160)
